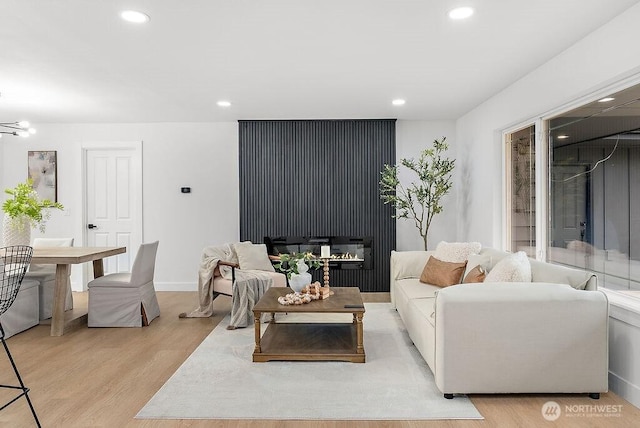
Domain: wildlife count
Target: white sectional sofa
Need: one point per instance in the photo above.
(544, 336)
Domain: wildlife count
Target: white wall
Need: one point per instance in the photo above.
(607, 55)
(202, 156)
(411, 138)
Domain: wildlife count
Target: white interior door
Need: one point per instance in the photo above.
(113, 202)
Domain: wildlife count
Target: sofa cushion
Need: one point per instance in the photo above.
(547, 272)
(412, 288)
(493, 256)
(253, 256)
(477, 274)
(426, 308)
(513, 268)
(408, 264)
(441, 273)
(224, 286)
(456, 252)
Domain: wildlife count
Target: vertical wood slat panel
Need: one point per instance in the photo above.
(319, 177)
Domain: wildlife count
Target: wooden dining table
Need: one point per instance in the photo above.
(63, 258)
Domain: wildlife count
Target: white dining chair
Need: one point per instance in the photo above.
(126, 299)
(13, 266)
(46, 276)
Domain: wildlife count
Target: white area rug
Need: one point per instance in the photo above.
(219, 381)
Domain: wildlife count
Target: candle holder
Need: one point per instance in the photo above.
(325, 255)
(325, 269)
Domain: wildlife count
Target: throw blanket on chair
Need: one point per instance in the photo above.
(247, 290)
(249, 287)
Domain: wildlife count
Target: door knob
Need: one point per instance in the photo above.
(92, 226)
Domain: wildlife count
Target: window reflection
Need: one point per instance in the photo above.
(594, 198)
(521, 146)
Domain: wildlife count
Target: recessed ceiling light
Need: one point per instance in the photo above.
(134, 16)
(224, 104)
(398, 102)
(460, 12)
(606, 100)
(562, 137)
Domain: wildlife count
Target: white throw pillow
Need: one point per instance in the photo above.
(513, 268)
(456, 252)
(253, 256)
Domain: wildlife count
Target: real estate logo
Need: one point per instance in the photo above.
(551, 411)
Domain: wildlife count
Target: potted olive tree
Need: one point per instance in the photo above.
(22, 211)
(420, 200)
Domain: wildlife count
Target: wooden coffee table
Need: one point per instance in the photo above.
(311, 341)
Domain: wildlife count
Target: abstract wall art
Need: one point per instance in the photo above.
(43, 173)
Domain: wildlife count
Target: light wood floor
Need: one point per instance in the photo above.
(103, 377)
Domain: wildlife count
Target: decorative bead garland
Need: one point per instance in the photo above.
(309, 292)
(295, 299)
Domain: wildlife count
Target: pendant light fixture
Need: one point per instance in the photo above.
(19, 129)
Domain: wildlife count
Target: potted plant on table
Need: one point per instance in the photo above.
(296, 266)
(23, 211)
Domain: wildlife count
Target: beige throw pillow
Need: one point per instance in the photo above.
(253, 256)
(482, 260)
(477, 274)
(442, 274)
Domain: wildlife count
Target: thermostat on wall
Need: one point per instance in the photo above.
(185, 189)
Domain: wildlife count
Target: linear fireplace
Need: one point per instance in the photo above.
(347, 252)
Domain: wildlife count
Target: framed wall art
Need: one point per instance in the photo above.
(43, 172)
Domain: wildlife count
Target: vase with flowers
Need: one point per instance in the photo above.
(296, 266)
(24, 210)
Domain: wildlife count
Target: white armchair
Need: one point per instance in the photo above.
(126, 299)
(46, 276)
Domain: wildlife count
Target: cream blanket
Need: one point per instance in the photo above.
(247, 289)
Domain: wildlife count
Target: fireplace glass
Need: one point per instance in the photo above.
(347, 252)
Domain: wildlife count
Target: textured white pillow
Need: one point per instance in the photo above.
(513, 268)
(253, 256)
(456, 252)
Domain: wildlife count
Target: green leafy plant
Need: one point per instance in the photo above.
(288, 263)
(419, 201)
(25, 206)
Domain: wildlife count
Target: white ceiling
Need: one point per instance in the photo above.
(77, 61)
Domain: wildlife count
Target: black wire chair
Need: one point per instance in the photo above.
(14, 262)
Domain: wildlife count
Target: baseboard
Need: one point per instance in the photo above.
(175, 286)
(624, 389)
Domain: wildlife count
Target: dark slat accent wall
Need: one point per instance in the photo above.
(319, 177)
